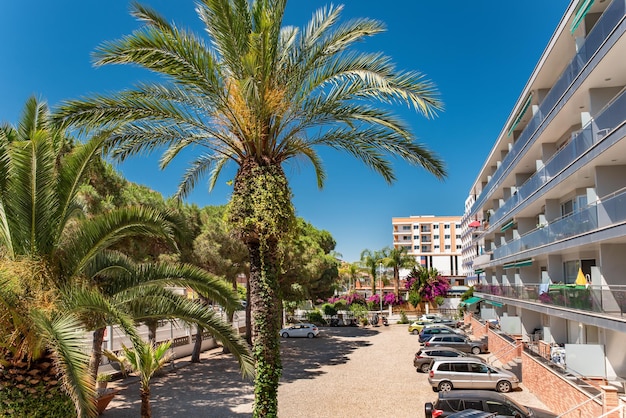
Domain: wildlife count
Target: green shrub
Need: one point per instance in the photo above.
(315, 317)
(329, 309)
(44, 403)
(403, 318)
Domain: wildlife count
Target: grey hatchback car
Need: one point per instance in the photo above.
(446, 375)
(460, 342)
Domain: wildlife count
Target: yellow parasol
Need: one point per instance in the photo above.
(580, 279)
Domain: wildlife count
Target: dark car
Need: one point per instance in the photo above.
(459, 342)
(426, 355)
(430, 331)
(450, 403)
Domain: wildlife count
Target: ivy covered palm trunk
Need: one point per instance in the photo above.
(262, 214)
(266, 317)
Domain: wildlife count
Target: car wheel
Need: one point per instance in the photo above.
(445, 386)
(415, 332)
(475, 350)
(425, 367)
(285, 335)
(310, 335)
(503, 386)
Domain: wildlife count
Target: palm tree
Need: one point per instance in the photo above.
(146, 359)
(47, 247)
(259, 95)
(397, 258)
(350, 273)
(371, 262)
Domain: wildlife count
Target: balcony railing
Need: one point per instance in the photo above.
(608, 300)
(610, 210)
(610, 118)
(611, 17)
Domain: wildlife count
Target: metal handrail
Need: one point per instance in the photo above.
(506, 350)
(579, 405)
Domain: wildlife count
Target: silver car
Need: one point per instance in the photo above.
(446, 375)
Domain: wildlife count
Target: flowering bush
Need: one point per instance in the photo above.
(545, 297)
(390, 299)
(348, 299)
(427, 283)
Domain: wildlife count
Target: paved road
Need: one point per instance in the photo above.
(345, 373)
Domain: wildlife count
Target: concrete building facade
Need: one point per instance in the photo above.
(544, 228)
(434, 241)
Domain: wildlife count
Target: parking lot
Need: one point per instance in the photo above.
(346, 372)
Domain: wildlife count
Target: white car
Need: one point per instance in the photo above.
(300, 330)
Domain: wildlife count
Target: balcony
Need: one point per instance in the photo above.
(607, 300)
(610, 118)
(610, 210)
(611, 17)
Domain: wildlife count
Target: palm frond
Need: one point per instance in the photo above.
(66, 345)
(104, 230)
(33, 203)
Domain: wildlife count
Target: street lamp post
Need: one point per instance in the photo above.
(381, 288)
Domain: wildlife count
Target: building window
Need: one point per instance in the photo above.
(446, 237)
(447, 247)
(416, 227)
(435, 236)
(425, 248)
(570, 271)
(446, 226)
(416, 237)
(416, 247)
(458, 247)
(435, 226)
(406, 228)
(457, 226)
(457, 236)
(436, 247)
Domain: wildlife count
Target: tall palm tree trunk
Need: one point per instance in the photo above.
(265, 327)
(396, 281)
(96, 352)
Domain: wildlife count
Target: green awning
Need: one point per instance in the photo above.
(508, 266)
(524, 263)
(507, 225)
(580, 13)
(471, 301)
(492, 303)
(520, 115)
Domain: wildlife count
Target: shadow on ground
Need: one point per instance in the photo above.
(302, 358)
(214, 388)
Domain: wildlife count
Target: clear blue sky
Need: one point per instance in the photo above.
(479, 54)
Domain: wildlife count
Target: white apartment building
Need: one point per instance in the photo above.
(434, 241)
(545, 221)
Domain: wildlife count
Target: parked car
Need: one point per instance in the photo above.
(425, 356)
(453, 323)
(416, 326)
(445, 375)
(460, 342)
(300, 330)
(429, 331)
(450, 403)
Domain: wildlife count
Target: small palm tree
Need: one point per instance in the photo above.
(371, 261)
(260, 95)
(146, 359)
(397, 258)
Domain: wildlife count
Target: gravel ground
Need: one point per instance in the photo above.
(345, 373)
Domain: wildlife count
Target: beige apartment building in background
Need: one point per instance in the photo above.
(434, 241)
